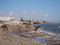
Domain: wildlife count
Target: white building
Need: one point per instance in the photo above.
(14, 22)
(4, 18)
(9, 20)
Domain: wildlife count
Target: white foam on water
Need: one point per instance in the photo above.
(43, 31)
(58, 26)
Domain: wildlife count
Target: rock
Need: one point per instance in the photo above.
(26, 28)
(20, 28)
(6, 39)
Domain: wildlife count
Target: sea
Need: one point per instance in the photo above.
(53, 28)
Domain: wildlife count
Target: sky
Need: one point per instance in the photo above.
(48, 10)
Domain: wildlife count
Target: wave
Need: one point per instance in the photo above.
(58, 26)
(47, 32)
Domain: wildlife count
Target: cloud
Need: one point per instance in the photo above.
(10, 13)
(26, 13)
(33, 13)
(30, 13)
(46, 15)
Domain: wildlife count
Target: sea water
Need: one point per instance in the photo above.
(54, 28)
(51, 29)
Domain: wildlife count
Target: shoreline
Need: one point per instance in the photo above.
(24, 35)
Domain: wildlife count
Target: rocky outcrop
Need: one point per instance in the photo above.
(26, 28)
(19, 28)
(7, 39)
(22, 29)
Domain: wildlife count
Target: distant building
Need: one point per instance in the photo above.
(39, 22)
(14, 22)
(9, 20)
(4, 18)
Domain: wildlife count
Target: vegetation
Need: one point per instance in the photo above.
(22, 19)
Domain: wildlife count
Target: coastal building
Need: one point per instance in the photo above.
(9, 20)
(39, 22)
(2, 18)
(14, 22)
